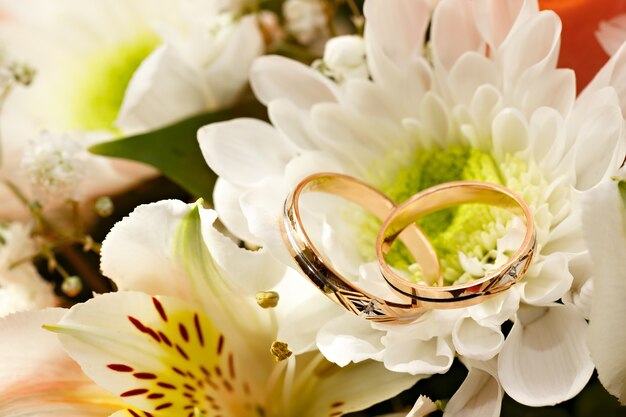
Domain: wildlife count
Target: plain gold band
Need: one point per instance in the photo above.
(444, 196)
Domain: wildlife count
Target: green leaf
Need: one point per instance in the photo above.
(174, 149)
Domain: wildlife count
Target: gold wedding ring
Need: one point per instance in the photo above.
(400, 222)
(445, 196)
(325, 277)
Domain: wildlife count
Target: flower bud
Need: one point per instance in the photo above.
(344, 58)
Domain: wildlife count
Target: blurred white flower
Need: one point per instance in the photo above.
(488, 104)
(21, 286)
(307, 20)
(54, 166)
(137, 65)
(611, 34)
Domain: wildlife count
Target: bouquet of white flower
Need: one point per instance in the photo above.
(176, 175)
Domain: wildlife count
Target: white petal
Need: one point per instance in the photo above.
(226, 200)
(533, 45)
(353, 388)
(293, 122)
(274, 77)
(419, 357)
(138, 252)
(227, 75)
(394, 34)
(163, 90)
(545, 360)
(603, 226)
(37, 377)
(598, 138)
(547, 280)
(447, 45)
(480, 395)
(248, 272)
(495, 18)
(348, 339)
(244, 151)
(475, 341)
(613, 74)
(300, 302)
(496, 310)
(510, 133)
(422, 407)
(469, 72)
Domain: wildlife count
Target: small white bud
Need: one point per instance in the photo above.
(72, 286)
(344, 58)
(307, 20)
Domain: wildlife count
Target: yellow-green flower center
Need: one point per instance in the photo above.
(471, 229)
(100, 83)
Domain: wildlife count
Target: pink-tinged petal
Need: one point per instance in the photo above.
(495, 18)
(158, 354)
(275, 77)
(480, 395)
(394, 34)
(533, 46)
(448, 45)
(245, 150)
(37, 377)
(545, 359)
(163, 90)
(611, 34)
(603, 227)
(468, 73)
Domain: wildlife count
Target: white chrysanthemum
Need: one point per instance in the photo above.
(21, 286)
(486, 103)
(137, 65)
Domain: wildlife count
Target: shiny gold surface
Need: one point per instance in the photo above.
(441, 197)
(325, 277)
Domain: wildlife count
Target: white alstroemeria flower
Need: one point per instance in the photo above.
(485, 103)
(21, 286)
(137, 65)
(194, 341)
